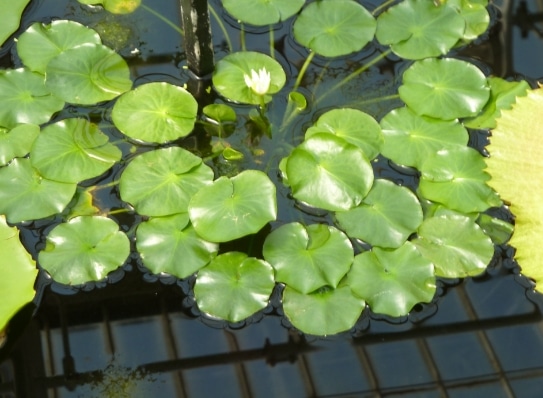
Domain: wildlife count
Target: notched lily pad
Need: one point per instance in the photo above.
(17, 141)
(262, 12)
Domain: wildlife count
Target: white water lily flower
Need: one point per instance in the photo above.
(258, 82)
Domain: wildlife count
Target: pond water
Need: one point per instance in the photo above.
(140, 335)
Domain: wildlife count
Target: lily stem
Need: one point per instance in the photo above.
(221, 26)
(163, 19)
(272, 42)
(382, 6)
(303, 70)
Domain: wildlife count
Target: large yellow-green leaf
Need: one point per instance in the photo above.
(516, 158)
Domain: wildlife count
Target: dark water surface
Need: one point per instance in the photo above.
(139, 335)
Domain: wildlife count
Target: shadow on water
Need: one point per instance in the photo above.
(141, 335)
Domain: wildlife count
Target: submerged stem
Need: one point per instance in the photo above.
(303, 70)
(163, 19)
(221, 26)
(272, 44)
(382, 6)
(242, 37)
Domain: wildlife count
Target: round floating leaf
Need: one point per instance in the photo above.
(88, 74)
(455, 244)
(220, 113)
(155, 112)
(393, 281)
(234, 207)
(308, 258)
(84, 249)
(121, 6)
(25, 99)
(230, 72)
(17, 141)
(417, 29)
(262, 12)
(18, 273)
(163, 181)
(12, 12)
(456, 178)
(410, 139)
(25, 195)
(385, 218)
(334, 27)
(234, 286)
(324, 312)
(73, 150)
(475, 14)
(327, 172)
(170, 244)
(40, 43)
(444, 88)
(354, 126)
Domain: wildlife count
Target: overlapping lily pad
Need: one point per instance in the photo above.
(73, 150)
(234, 286)
(17, 141)
(354, 126)
(475, 14)
(88, 74)
(326, 171)
(334, 27)
(26, 195)
(11, 18)
(385, 218)
(115, 6)
(234, 207)
(155, 112)
(262, 12)
(393, 281)
(170, 245)
(163, 181)
(84, 249)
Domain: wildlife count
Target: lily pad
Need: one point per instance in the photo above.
(230, 72)
(455, 244)
(324, 312)
(410, 139)
(40, 43)
(163, 181)
(326, 171)
(354, 126)
(115, 6)
(385, 218)
(84, 249)
(262, 12)
(170, 245)
(25, 99)
(18, 273)
(308, 258)
(234, 286)
(234, 207)
(73, 150)
(88, 74)
(475, 14)
(155, 112)
(393, 281)
(418, 29)
(17, 141)
(220, 113)
(444, 88)
(12, 12)
(456, 178)
(26, 195)
(334, 27)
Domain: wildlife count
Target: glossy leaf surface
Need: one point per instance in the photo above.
(12, 10)
(17, 141)
(262, 12)
(475, 14)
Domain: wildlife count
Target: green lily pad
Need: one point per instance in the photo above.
(393, 281)
(475, 14)
(155, 112)
(308, 258)
(385, 218)
(410, 139)
(163, 241)
(455, 244)
(456, 178)
(220, 113)
(84, 249)
(17, 141)
(498, 230)
(25, 99)
(115, 6)
(354, 126)
(88, 74)
(40, 42)
(234, 207)
(234, 286)
(324, 312)
(163, 181)
(12, 10)
(334, 27)
(262, 12)
(18, 273)
(26, 195)
(326, 171)
(82, 204)
(230, 72)
(417, 29)
(444, 88)
(73, 150)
